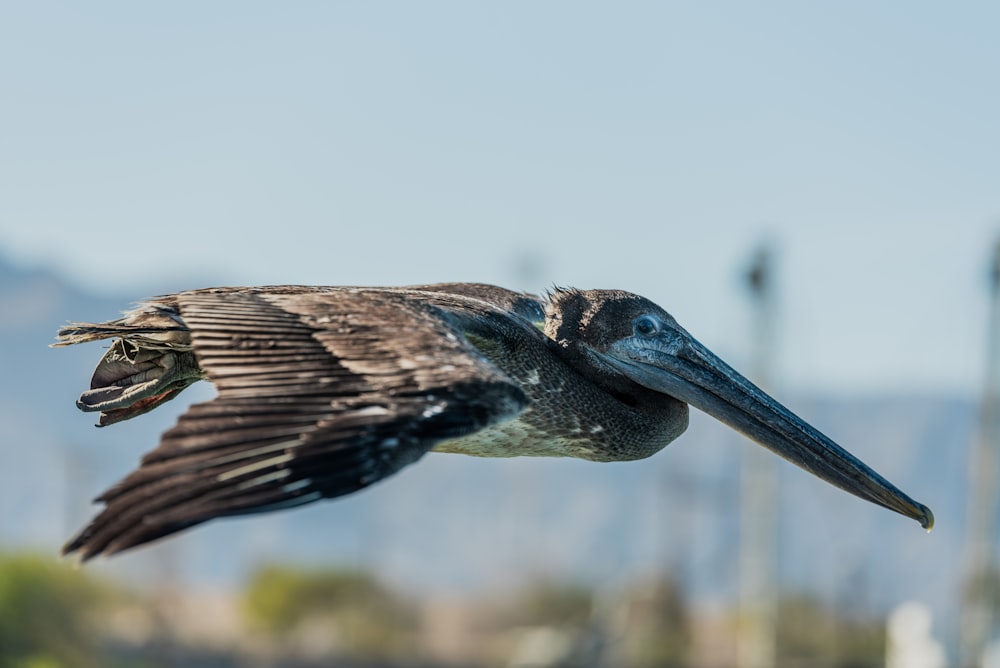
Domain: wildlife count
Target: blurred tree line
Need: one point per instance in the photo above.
(54, 615)
(48, 613)
(332, 610)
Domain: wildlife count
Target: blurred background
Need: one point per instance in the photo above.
(812, 191)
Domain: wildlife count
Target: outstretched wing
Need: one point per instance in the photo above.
(321, 392)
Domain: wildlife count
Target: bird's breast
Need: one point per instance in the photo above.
(520, 437)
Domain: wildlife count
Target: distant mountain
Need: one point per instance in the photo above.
(461, 524)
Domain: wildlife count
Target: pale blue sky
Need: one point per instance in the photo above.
(646, 146)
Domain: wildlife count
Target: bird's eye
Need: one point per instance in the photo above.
(646, 325)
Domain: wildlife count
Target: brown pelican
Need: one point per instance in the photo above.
(325, 390)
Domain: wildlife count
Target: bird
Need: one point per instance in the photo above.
(323, 391)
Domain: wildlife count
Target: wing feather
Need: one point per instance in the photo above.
(321, 393)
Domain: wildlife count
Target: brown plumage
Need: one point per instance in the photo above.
(325, 390)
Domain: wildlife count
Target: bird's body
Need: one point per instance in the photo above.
(325, 390)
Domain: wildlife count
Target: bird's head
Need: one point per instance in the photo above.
(634, 347)
(589, 324)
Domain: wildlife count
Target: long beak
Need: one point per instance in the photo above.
(688, 371)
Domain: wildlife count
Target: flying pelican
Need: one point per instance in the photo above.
(325, 390)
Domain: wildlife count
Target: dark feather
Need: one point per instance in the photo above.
(321, 392)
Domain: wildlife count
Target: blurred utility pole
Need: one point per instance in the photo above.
(758, 526)
(979, 614)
